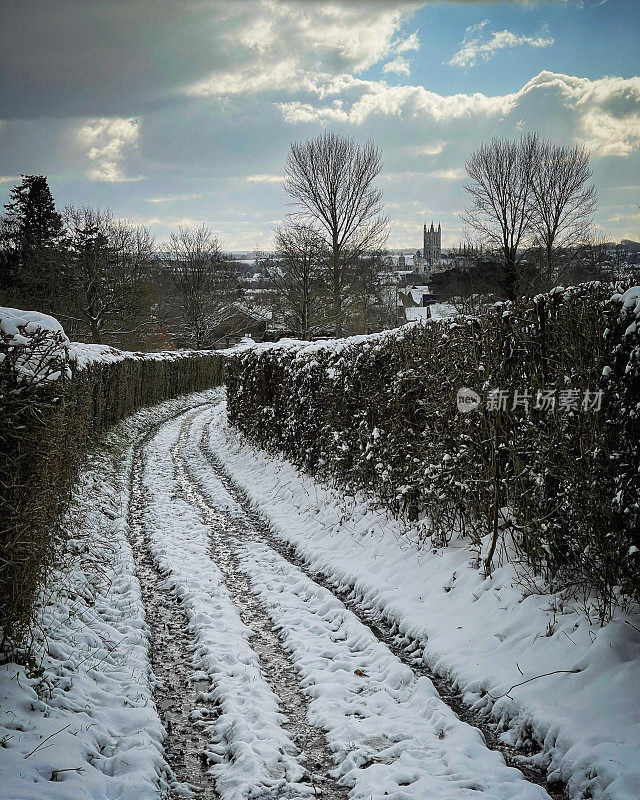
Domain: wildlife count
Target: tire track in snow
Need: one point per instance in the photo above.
(307, 615)
(250, 750)
(276, 666)
(409, 650)
(176, 692)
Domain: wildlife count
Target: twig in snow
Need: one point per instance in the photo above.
(535, 678)
(632, 625)
(51, 735)
(109, 653)
(86, 658)
(56, 772)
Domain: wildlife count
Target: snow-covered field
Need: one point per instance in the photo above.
(376, 727)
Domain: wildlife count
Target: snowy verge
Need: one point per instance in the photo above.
(81, 722)
(494, 638)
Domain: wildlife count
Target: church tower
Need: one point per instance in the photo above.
(432, 246)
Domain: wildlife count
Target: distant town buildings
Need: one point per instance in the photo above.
(423, 261)
(414, 298)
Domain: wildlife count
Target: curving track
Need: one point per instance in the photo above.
(269, 684)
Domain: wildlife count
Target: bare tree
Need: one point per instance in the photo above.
(501, 185)
(330, 182)
(374, 306)
(598, 258)
(205, 286)
(297, 276)
(563, 204)
(105, 285)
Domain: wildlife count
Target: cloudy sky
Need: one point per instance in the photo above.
(175, 112)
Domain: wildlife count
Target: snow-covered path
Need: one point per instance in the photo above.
(224, 621)
(303, 700)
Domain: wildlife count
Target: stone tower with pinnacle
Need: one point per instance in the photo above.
(432, 246)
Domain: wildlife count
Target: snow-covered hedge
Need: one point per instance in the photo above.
(54, 397)
(556, 488)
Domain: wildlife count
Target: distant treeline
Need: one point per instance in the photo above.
(528, 227)
(105, 279)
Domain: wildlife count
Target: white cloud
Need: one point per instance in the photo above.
(173, 198)
(401, 176)
(399, 65)
(281, 75)
(171, 223)
(453, 174)
(264, 178)
(289, 45)
(446, 174)
(606, 135)
(431, 149)
(109, 141)
(410, 43)
(635, 215)
(604, 114)
(9, 178)
(606, 110)
(378, 99)
(479, 47)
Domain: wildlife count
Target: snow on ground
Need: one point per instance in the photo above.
(417, 313)
(391, 733)
(248, 728)
(86, 727)
(443, 310)
(495, 639)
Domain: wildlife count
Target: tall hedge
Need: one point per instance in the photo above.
(50, 411)
(556, 488)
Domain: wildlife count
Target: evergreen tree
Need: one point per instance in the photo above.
(31, 237)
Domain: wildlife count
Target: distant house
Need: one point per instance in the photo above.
(414, 302)
(402, 261)
(242, 322)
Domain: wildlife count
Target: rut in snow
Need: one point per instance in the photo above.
(176, 692)
(408, 650)
(275, 662)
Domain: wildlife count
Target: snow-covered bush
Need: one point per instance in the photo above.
(556, 488)
(54, 397)
(34, 349)
(621, 377)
